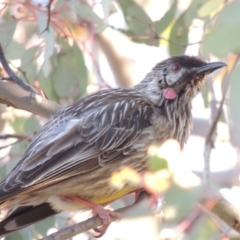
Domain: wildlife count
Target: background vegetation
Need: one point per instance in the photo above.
(66, 49)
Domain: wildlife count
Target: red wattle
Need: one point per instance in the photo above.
(169, 93)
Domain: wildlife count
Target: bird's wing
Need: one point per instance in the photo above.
(101, 129)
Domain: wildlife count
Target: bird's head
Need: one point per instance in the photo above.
(179, 77)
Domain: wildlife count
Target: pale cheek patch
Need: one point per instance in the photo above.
(169, 93)
(172, 77)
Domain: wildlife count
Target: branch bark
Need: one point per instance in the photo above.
(13, 95)
(91, 223)
(227, 213)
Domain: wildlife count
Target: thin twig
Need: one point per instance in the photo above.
(22, 72)
(209, 142)
(91, 223)
(12, 75)
(48, 16)
(179, 44)
(18, 136)
(167, 40)
(18, 141)
(157, 37)
(214, 112)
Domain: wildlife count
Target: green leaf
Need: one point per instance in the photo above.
(15, 236)
(179, 31)
(18, 124)
(43, 226)
(180, 201)
(7, 30)
(47, 34)
(209, 7)
(29, 56)
(61, 219)
(178, 36)
(49, 41)
(156, 163)
(222, 37)
(14, 50)
(127, 32)
(27, 233)
(86, 13)
(70, 76)
(108, 8)
(47, 66)
(42, 21)
(192, 11)
(139, 23)
(29, 64)
(168, 17)
(204, 228)
(46, 84)
(31, 72)
(3, 172)
(18, 148)
(31, 125)
(58, 3)
(11, 164)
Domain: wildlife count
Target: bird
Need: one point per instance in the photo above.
(68, 163)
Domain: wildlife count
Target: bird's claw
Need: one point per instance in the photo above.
(105, 215)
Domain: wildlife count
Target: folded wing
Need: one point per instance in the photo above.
(86, 135)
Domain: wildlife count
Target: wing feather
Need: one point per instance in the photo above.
(95, 135)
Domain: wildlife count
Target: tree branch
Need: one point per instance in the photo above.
(91, 223)
(23, 96)
(14, 95)
(227, 213)
(12, 75)
(216, 205)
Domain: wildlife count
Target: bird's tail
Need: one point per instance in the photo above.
(24, 216)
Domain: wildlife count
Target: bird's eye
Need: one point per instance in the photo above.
(176, 67)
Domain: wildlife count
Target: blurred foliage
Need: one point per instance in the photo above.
(55, 52)
(157, 163)
(176, 208)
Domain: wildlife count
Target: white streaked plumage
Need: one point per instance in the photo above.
(76, 152)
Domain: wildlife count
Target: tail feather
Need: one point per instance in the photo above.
(24, 216)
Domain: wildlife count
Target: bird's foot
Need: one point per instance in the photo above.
(105, 215)
(98, 210)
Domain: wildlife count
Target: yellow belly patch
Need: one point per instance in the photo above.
(116, 195)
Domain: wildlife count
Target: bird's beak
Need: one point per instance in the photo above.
(210, 67)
